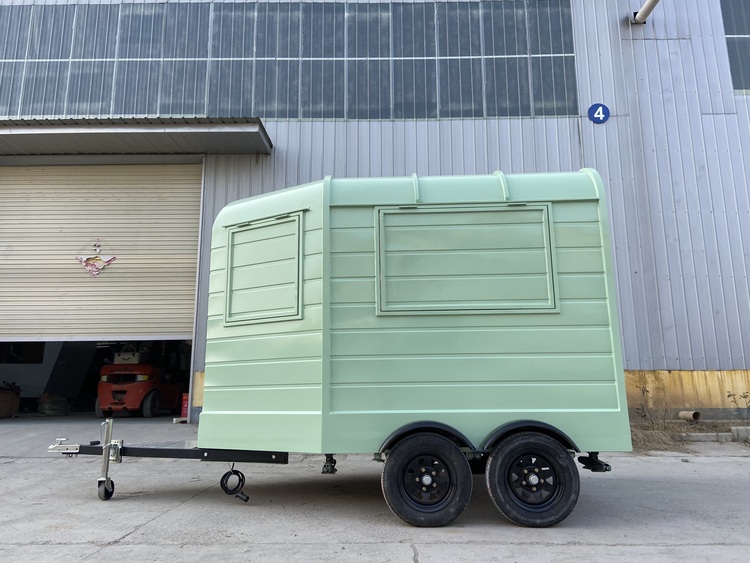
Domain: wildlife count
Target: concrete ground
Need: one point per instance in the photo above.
(658, 507)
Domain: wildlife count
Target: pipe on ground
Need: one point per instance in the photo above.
(690, 416)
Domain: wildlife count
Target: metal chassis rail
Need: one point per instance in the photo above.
(205, 454)
(112, 451)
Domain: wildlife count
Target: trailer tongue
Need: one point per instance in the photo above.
(112, 451)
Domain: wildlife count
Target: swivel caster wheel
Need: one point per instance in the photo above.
(106, 489)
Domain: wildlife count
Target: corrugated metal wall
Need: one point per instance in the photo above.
(683, 275)
(671, 156)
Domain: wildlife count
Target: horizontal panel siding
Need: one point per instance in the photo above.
(280, 347)
(147, 217)
(233, 375)
(471, 263)
(371, 356)
(426, 370)
(285, 431)
(272, 367)
(587, 312)
(451, 341)
(436, 398)
(258, 399)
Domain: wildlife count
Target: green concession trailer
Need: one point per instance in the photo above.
(445, 324)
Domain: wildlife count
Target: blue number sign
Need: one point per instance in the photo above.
(598, 113)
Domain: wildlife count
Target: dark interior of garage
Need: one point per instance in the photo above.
(105, 378)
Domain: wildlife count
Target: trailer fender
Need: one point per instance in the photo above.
(525, 426)
(426, 426)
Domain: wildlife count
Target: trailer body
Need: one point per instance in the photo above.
(347, 313)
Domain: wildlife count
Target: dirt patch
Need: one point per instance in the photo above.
(647, 440)
(659, 435)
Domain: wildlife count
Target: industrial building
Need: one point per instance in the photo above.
(125, 126)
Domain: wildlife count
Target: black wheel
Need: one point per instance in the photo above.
(106, 489)
(100, 413)
(426, 480)
(532, 479)
(152, 404)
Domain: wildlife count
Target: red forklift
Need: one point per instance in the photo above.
(136, 384)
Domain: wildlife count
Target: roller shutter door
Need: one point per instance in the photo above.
(145, 218)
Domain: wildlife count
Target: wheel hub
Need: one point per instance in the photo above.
(532, 480)
(427, 481)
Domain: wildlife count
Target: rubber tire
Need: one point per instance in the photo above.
(514, 497)
(152, 404)
(106, 493)
(100, 413)
(454, 480)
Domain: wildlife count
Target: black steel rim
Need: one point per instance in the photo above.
(534, 481)
(427, 482)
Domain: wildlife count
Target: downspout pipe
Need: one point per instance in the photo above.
(640, 16)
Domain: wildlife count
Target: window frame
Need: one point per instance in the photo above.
(384, 309)
(740, 76)
(294, 312)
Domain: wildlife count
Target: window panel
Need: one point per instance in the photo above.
(230, 89)
(183, 88)
(142, 31)
(95, 31)
(499, 259)
(90, 89)
(368, 29)
(264, 271)
(368, 90)
(185, 33)
(43, 81)
(276, 89)
(458, 29)
(278, 30)
(414, 92)
(413, 30)
(11, 77)
(136, 90)
(504, 27)
(233, 31)
(323, 26)
(51, 31)
(737, 28)
(322, 94)
(736, 17)
(460, 88)
(14, 41)
(554, 89)
(550, 27)
(507, 89)
(739, 61)
(351, 60)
